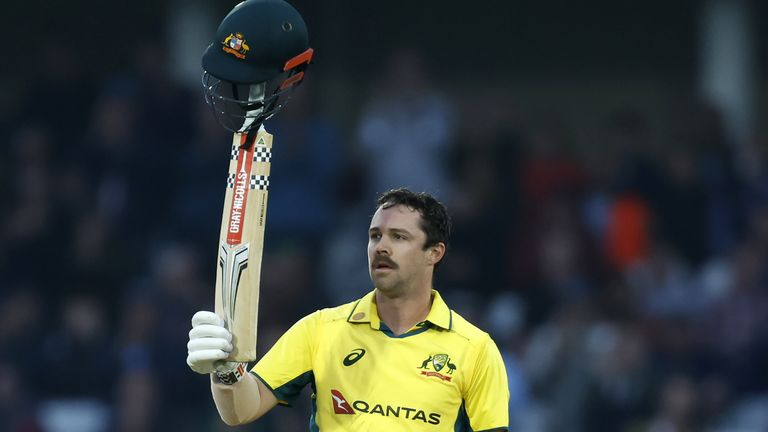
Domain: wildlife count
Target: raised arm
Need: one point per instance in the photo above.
(239, 396)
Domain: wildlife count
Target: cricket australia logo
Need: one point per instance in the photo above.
(235, 45)
(438, 363)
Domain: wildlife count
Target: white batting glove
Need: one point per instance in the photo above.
(209, 346)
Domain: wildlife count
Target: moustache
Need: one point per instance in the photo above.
(383, 260)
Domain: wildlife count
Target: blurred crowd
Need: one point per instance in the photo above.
(624, 281)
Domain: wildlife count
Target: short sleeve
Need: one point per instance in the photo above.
(487, 397)
(287, 367)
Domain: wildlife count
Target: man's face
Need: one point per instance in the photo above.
(396, 258)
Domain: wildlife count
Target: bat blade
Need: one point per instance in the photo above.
(241, 241)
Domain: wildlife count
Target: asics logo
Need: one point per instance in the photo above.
(353, 357)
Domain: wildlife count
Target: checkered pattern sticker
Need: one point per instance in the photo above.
(259, 182)
(262, 155)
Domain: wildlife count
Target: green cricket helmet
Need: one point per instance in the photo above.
(258, 56)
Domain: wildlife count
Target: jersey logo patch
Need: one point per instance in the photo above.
(340, 404)
(438, 363)
(353, 357)
(235, 44)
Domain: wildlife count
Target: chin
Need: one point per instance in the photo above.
(380, 283)
(391, 290)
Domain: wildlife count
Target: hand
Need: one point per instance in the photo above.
(209, 345)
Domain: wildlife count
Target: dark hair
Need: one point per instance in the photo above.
(435, 221)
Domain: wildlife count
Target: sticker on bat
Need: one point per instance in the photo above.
(232, 262)
(240, 186)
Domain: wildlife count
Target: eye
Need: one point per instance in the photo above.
(399, 237)
(374, 236)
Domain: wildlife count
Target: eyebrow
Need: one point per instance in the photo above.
(395, 230)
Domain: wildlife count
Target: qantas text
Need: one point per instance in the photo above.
(398, 411)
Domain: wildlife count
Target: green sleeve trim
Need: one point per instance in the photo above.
(462, 420)
(462, 423)
(286, 394)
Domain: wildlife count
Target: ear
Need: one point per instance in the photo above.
(435, 253)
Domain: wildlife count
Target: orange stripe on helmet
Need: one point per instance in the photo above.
(304, 57)
(291, 80)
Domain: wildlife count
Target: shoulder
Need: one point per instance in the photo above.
(332, 314)
(321, 322)
(473, 334)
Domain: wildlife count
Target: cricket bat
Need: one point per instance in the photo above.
(241, 240)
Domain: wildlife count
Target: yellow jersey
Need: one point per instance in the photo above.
(444, 374)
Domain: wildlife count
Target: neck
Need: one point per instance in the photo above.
(402, 312)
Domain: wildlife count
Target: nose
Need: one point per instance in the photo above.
(382, 247)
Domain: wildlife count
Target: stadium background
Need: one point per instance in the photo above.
(605, 164)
